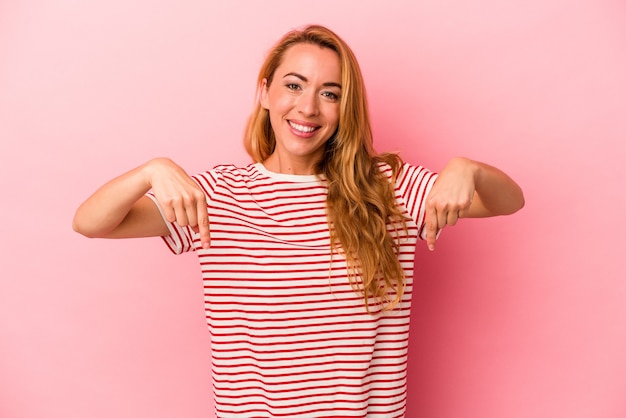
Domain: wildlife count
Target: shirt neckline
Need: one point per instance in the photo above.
(295, 178)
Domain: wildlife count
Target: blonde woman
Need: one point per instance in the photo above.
(306, 253)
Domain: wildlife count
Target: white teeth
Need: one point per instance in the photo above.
(301, 128)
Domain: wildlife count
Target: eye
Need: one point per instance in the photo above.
(330, 95)
(292, 86)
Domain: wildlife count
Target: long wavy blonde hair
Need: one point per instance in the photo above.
(361, 202)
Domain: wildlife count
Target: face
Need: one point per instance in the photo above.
(303, 103)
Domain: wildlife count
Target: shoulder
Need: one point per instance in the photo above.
(230, 171)
(389, 165)
(225, 176)
(403, 171)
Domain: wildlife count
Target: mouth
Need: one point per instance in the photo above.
(303, 128)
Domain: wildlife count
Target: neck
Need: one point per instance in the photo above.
(291, 166)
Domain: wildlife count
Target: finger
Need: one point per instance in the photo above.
(168, 212)
(194, 205)
(177, 207)
(442, 218)
(203, 224)
(431, 228)
(181, 215)
(173, 210)
(191, 210)
(453, 217)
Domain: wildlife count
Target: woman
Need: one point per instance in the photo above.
(307, 253)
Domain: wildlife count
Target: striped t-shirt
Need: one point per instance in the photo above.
(289, 335)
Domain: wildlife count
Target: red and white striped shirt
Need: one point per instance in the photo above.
(290, 337)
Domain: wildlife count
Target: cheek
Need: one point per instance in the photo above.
(332, 115)
(280, 104)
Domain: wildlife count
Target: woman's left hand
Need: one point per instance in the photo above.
(469, 189)
(450, 197)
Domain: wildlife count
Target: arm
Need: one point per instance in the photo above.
(469, 189)
(120, 209)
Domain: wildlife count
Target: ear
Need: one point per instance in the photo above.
(264, 99)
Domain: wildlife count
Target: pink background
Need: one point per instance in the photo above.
(518, 317)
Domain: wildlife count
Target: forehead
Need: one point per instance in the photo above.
(311, 60)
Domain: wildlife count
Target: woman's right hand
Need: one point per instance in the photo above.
(180, 197)
(121, 209)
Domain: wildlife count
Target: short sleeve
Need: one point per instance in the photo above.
(182, 238)
(412, 187)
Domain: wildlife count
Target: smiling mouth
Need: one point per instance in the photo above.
(305, 129)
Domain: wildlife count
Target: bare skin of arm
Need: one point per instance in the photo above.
(469, 189)
(120, 209)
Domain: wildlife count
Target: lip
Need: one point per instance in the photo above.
(311, 128)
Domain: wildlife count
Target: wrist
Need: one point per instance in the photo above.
(149, 169)
(470, 167)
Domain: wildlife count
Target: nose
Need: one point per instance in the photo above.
(308, 104)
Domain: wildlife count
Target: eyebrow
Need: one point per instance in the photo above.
(303, 78)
